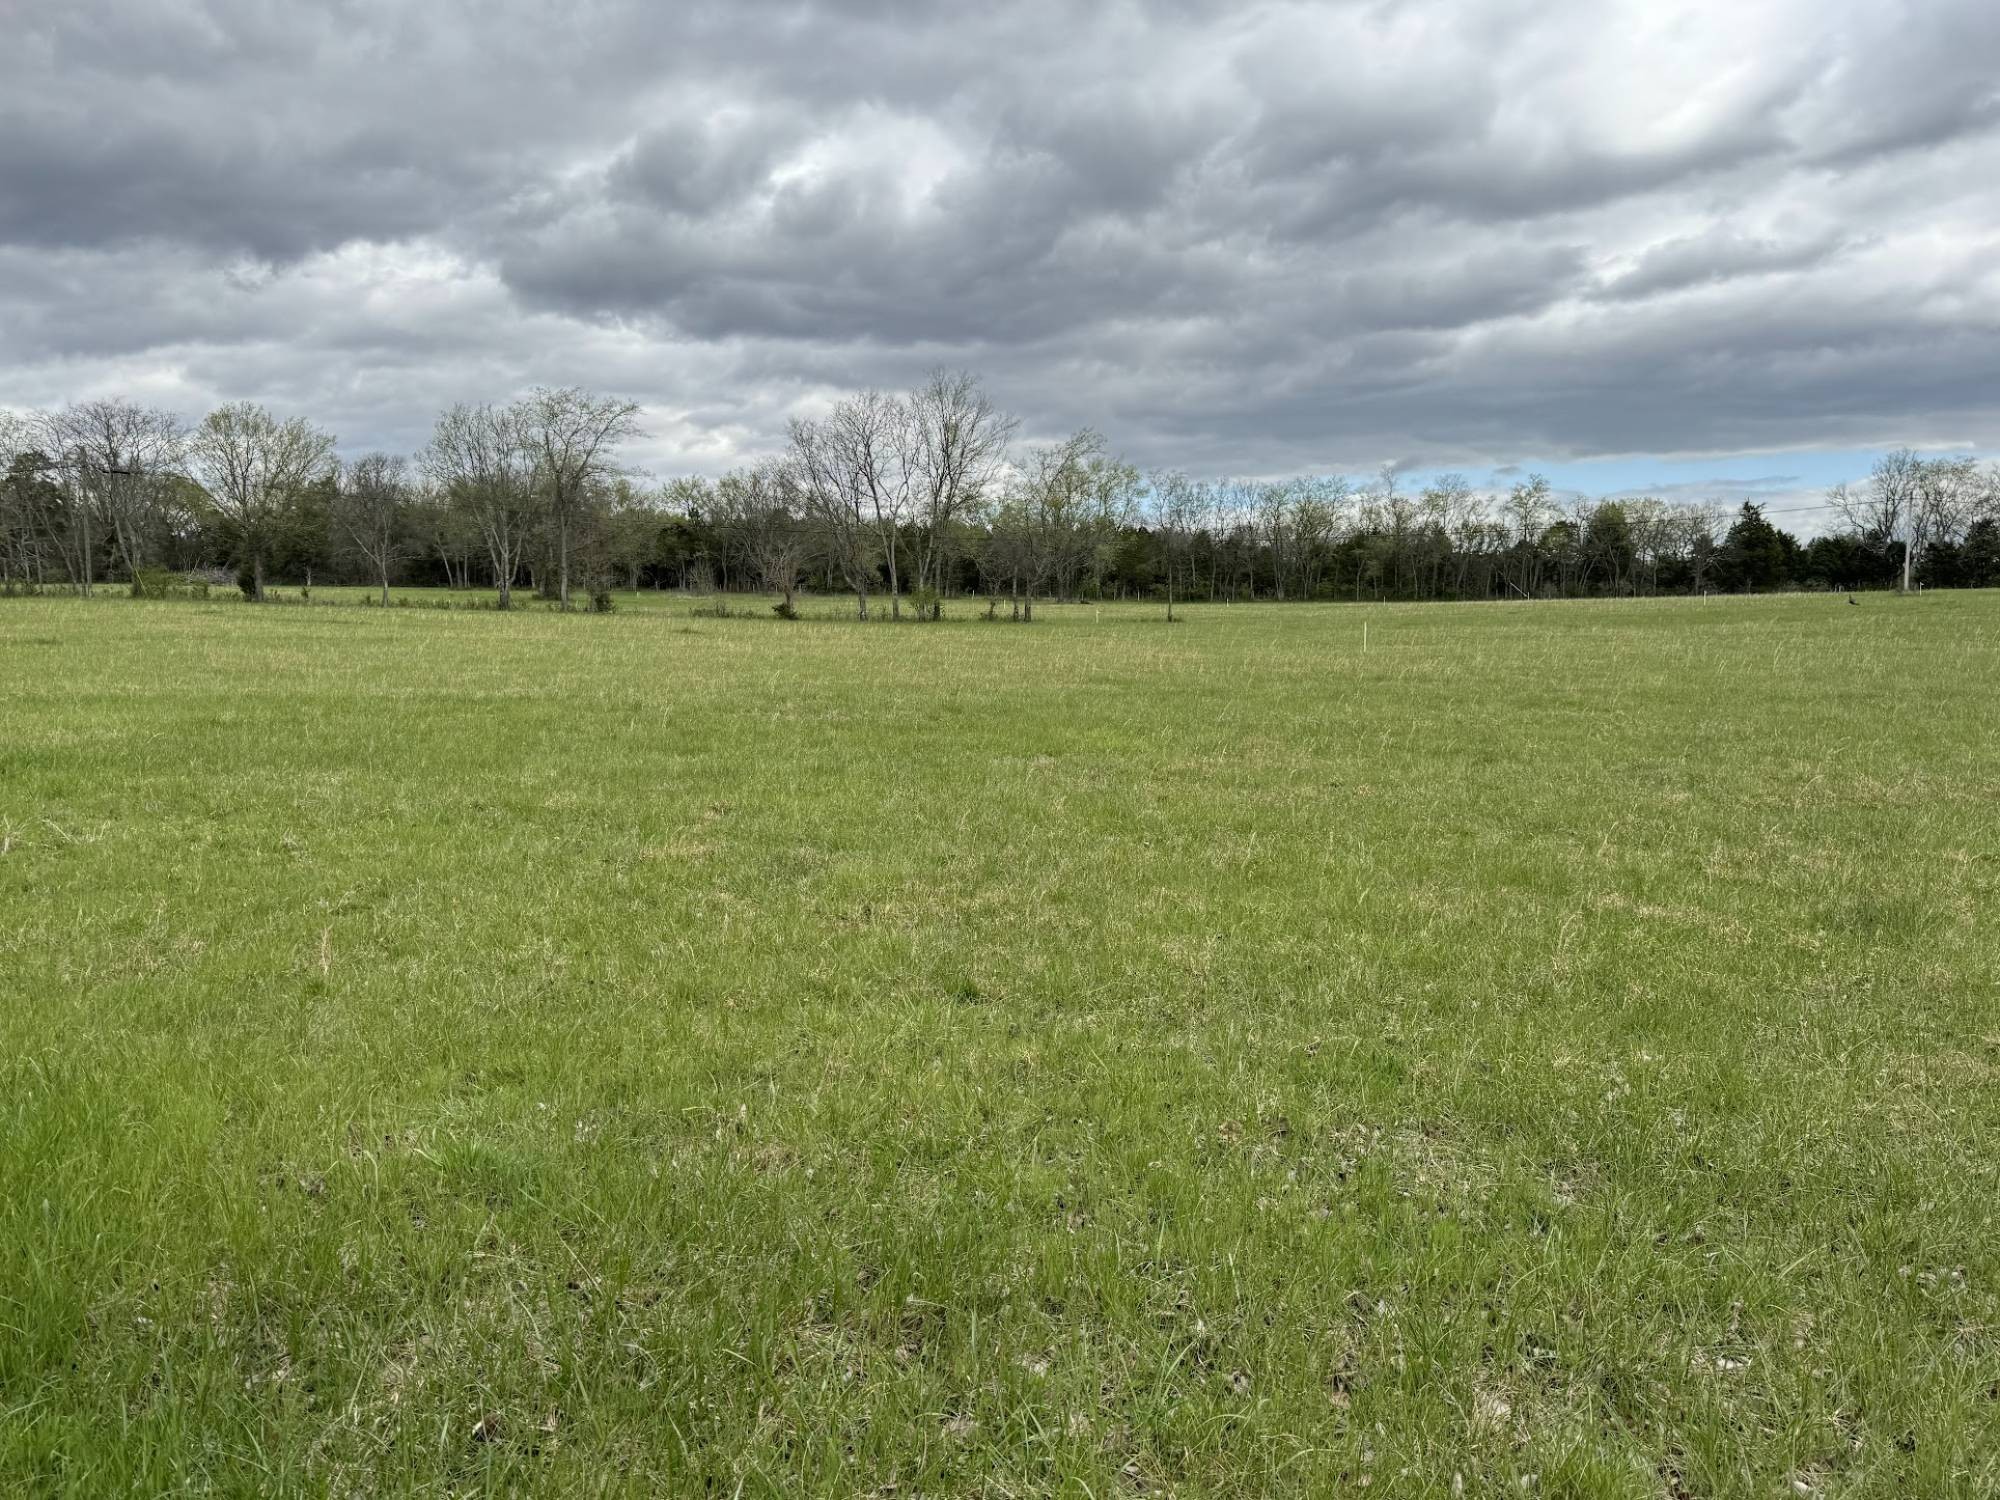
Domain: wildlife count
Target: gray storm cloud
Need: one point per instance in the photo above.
(1243, 237)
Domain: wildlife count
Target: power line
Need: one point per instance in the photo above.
(1797, 510)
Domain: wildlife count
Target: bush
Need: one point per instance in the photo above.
(601, 602)
(247, 582)
(927, 603)
(785, 610)
(159, 583)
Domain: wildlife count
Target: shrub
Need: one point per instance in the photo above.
(927, 603)
(600, 602)
(785, 610)
(160, 583)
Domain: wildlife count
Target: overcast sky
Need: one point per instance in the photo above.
(1608, 238)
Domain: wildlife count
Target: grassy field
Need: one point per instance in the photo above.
(1556, 1051)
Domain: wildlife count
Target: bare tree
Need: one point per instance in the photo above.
(486, 461)
(823, 477)
(1914, 500)
(870, 439)
(1317, 506)
(1007, 556)
(17, 547)
(573, 433)
(1881, 513)
(957, 447)
(1444, 507)
(52, 495)
(120, 458)
(439, 521)
(32, 504)
(1179, 506)
(1530, 510)
(1066, 497)
(1700, 524)
(1233, 534)
(1270, 506)
(258, 471)
(760, 511)
(632, 529)
(1112, 491)
(698, 562)
(371, 509)
(1951, 494)
(1650, 525)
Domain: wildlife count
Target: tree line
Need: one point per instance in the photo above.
(901, 501)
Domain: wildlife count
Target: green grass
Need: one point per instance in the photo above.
(1557, 1050)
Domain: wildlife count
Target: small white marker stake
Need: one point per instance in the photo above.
(1364, 637)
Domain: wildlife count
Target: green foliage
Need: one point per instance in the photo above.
(664, 1055)
(1846, 563)
(160, 583)
(1755, 554)
(1973, 563)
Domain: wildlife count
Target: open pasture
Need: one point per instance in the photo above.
(1555, 1050)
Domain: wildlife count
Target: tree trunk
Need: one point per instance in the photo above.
(257, 576)
(562, 551)
(85, 515)
(128, 548)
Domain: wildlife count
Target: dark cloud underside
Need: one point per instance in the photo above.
(1249, 237)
